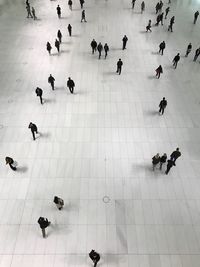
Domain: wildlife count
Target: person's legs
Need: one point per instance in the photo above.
(41, 99)
(33, 133)
(43, 232)
(161, 165)
(12, 167)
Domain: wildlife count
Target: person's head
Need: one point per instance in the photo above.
(69, 78)
(163, 98)
(165, 155)
(178, 54)
(157, 155)
(177, 149)
(119, 59)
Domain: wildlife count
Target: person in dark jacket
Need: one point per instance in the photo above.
(106, 49)
(83, 16)
(49, 48)
(39, 93)
(57, 45)
(175, 155)
(189, 48)
(133, 4)
(196, 14)
(170, 27)
(70, 85)
(69, 29)
(44, 223)
(159, 70)
(81, 3)
(94, 256)
(158, 19)
(197, 53)
(51, 80)
(59, 35)
(58, 11)
(170, 164)
(124, 40)
(70, 4)
(33, 128)
(148, 27)
(10, 162)
(155, 160)
(33, 13)
(163, 160)
(59, 202)
(167, 11)
(176, 60)
(162, 47)
(94, 46)
(162, 105)
(28, 8)
(119, 66)
(157, 7)
(142, 7)
(99, 49)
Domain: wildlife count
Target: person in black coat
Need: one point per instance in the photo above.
(70, 85)
(163, 160)
(33, 128)
(51, 80)
(171, 24)
(10, 162)
(159, 70)
(162, 47)
(94, 46)
(124, 40)
(148, 27)
(119, 66)
(59, 35)
(167, 11)
(70, 4)
(94, 256)
(57, 45)
(58, 11)
(175, 155)
(81, 3)
(133, 4)
(49, 48)
(44, 223)
(170, 164)
(69, 29)
(83, 16)
(155, 160)
(162, 105)
(106, 49)
(189, 48)
(176, 60)
(99, 49)
(59, 202)
(196, 14)
(39, 93)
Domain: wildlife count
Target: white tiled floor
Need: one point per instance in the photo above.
(100, 141)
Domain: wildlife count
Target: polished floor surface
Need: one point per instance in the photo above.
(95, 147)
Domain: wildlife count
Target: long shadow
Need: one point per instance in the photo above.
(108, 73)
(49, 101)
(155, 53)
(76, 35)
(151, 112)
(152, 77)
(143, 32)
(22, 169)
(65, 51)
(66, 42)
(45, 135)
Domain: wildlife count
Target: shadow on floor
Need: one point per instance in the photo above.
(45, 135)
(152, 77)
(155, 53)
(22, 169)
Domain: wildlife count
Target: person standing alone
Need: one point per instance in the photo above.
(70, 85)
(33, 128)
(162, 105)
(119, 66)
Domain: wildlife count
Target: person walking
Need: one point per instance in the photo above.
(59, 35)
(81, 3)
(189, 48)
(170, 164)
(106, 49)
(197, 53)
(70, 85)
(94, 256)
(33, 13)
(43, 223)
(28, 8)
(57, 45)
(161, 18)
(49, 48)
(39, 93)
(158, 19)
(163, 160)
(58, 11)
(155, 160)
(170, 27)
(33, 128)
(69, 29)
(99, 49)
(162, 47)
(161, 5)
(133, 4)
(119, 66)
(196, 14)
(176, 60)
(83, 16)
(162, 105)
(59, 202)
(175, 155)
(124, 40)
(11, 163)
(51, 80)
(70, 4)
(148, 27)
(142, 7)
(157, 7)
(167, 11)
(94, 46)
(159, 70)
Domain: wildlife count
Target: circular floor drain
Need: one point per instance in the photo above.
(106, 199)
